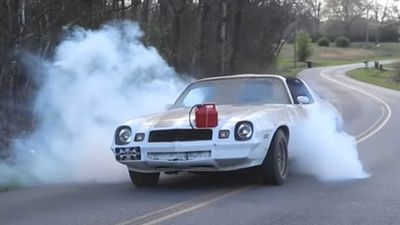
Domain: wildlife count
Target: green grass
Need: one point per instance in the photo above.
(385, 50)
(385, 78)
(10, 185)
(286, 67)
(332, 56)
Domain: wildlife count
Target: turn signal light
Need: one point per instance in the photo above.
(223, 134)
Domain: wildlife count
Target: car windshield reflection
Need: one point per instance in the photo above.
(238, 91)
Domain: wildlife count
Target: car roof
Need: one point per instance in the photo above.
(243, 76)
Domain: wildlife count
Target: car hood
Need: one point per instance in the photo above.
(179, 118)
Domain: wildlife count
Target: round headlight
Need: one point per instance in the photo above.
(244, 131)
(125, 135)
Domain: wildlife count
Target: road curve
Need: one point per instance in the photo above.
(370, 113)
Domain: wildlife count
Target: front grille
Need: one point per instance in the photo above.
(180, 135)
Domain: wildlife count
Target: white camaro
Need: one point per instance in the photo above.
(256, 115)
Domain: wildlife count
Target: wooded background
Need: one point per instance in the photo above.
(196, 37)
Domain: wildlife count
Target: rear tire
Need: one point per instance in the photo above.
(274, 169)
(144, 179)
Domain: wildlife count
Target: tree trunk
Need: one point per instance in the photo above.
(223, 36)
(163, 10)
(198, 49)
(177, 10)
(319, 18)
(134, 9)
(177, 35)
(236, 35)
(114, 6)
(123, 9)
(145, 11)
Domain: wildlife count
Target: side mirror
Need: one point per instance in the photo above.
(302, 100)
(168, 106)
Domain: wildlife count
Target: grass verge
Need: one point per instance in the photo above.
(385, 78)
(10, 185)
(332, 56)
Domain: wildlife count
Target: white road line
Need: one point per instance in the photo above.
(152, 214)
(194, 207)
(372, 130)
(378, 121)
(181, 208)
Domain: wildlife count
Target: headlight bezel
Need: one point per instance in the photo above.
(119, 140)
(244, 125)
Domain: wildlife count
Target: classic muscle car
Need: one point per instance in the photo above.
(256, 115)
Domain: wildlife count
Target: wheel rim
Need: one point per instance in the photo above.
(282, 158)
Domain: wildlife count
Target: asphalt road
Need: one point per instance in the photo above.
(370, 113)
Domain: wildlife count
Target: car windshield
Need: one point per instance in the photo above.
(236, 91)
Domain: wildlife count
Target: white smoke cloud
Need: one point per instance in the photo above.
(96, 80)
(324, 151)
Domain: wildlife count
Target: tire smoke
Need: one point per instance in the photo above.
(322, 149)
(96, 80)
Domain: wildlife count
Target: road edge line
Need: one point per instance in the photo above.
(324, 74)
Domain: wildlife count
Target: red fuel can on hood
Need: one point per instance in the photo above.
(206, 116)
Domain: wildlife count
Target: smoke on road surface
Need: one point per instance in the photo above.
(98, 79)
(323, 149)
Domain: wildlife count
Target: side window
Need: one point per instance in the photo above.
(297, 88)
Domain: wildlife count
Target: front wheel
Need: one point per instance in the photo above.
(274, 169)
(144, 179)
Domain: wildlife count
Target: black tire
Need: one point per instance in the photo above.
(274, 169)
(144, 179)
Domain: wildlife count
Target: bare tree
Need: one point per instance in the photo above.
(346, 11)
(383, 14)
(177, 6)
(223, 35)
(202, 37)
(315, 7)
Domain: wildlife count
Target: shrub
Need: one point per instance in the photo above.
(323, 41)
(342, 42)
(304, 49)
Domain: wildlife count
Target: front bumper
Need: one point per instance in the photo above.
(192, 156)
